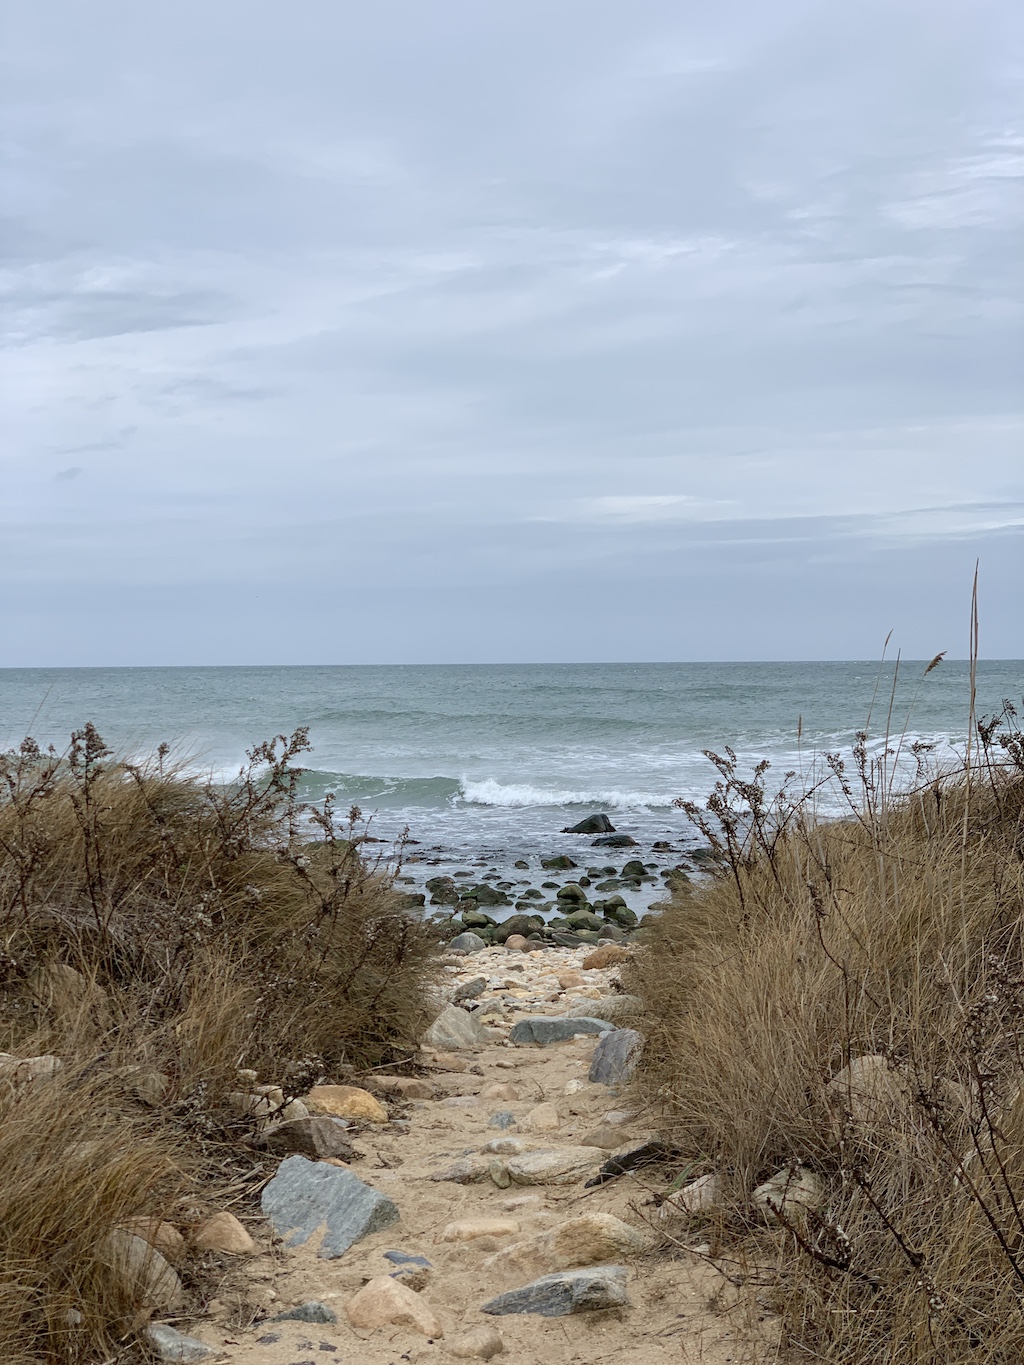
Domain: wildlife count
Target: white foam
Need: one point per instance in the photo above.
(519, 795)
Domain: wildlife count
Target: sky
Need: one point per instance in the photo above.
(468, 331)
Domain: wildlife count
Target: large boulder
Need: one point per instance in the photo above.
(307, 1197)
(485, 894)
(615, 841)
(443, 891)
(559, 862)
(592, 824)
(467, 943)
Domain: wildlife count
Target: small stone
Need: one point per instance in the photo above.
(407, 1087)
(174, 1346)
(504, 1118)
(306, 1196)
(318, 1136)
(516, 943)
(608, 955)
(500, 1090)
(163, 1236)
(615, 1057)
(460, 1102)
(790, 1193)
(573, 1087)
(697, 1197)
(543, 1118)
(346, 1102)
(225, 1234)
(469, 990)
(569, 1291)
(604, 1136)
(383, 1301)
(310, 1311)
(479, 1343)
(468, 1229)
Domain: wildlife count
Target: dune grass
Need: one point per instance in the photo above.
(158, 933)
(895, 933)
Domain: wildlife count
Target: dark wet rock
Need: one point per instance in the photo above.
(467, 942)
(517, 924)
(612, 884)
(568, 1291)
(622, 915)
(310, 1311)
(561, 862)
(544, 1030)
(615, 1057)
(634, 868)
(653, 1153)
(521, 863)
(305, 1196)
(484, 894)
(593, 824)
(661, 846)
(476, 919)
(571, 892)
(316, 1136)
(615, 841)
(532, 894)
(584, 919)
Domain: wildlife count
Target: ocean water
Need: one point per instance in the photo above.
(486, 764)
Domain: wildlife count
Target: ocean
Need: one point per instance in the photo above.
(484, 765)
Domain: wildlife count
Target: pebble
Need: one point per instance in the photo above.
(480, 1343)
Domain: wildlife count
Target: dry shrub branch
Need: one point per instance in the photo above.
(158, 933)
(847, 996)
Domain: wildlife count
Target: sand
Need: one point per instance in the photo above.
(682, 1309)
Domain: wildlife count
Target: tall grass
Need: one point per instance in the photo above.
(893, 934)
(158, 933)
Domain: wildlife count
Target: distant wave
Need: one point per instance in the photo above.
(520, 795)
(441, 791)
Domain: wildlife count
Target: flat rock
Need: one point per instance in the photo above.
(562, 1167)
(305, 1197)
(615, 841)
(590, 1239)
(171, 1345)
(479, 1343)
(615, 1057)
(318, 1136)
(568, 1291)
(346, 1102)
(543, 1118)
(310, 1311)
(454, 1029)
(384, 1301)
(468, 1229)
(543, 1030)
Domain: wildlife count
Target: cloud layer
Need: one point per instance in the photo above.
(462, 332)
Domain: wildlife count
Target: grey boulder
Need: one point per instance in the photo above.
(307, 1196)
(467, 942)
(543, 1030)
(454, 1029)
(568, 1291)
(615, 1057)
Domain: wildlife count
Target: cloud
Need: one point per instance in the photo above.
(441, 300)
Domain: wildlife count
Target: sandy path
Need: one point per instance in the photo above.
(681, 1310)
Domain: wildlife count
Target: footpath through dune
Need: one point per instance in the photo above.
(517, 1131)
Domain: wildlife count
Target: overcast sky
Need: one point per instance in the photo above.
(458, 330)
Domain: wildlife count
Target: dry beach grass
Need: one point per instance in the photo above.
(893, 935)
(157, 934)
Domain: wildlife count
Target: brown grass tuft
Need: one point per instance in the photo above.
(895, 933)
